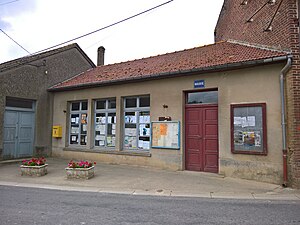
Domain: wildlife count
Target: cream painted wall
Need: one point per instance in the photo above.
(251, 85)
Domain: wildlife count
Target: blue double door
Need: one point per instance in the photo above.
(18, 134)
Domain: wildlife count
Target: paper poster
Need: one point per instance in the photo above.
(130, 142)
(83, 118)
(97, 138)
(146, 145)
(74, 130)
(98, 120)
(84, 127)
(109, 141)
(101, 143)
(109, 119)
(77, 120)
(113, 141)
(144, 129)
(102, 129)
(147, 119)
(238, 137)
(140, 143)
(130, 131)
(257, 139)
(102, 138)
(244, 122)
(73, 138)
(251, 121)
(103, 120)
(249, 138)
(73, 120)
(97, 128)
(163, 129)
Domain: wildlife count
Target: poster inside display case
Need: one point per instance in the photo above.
(248, 128)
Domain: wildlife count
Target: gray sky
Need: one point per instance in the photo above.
(39, 24)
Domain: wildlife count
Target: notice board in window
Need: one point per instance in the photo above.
(165, 134)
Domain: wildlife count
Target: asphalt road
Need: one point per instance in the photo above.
(19, 205)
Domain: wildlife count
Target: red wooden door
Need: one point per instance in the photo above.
(201, 138)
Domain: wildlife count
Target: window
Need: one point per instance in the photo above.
(203, 97)
(105, 123)
(248, 128)
(137, 123)
(78, 123)
(19, 103)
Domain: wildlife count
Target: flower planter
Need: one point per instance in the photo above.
(80, 173)
(34, 170)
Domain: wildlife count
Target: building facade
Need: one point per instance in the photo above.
(214, 108)
(25, 104)
(272, 24)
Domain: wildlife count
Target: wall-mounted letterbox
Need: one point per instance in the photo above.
(57, 131)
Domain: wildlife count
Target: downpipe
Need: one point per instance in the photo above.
(283, 123)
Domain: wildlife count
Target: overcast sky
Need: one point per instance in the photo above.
(39, 24)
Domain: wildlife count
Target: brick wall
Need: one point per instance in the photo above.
(284, 34)
(232, 23)
(293, 97)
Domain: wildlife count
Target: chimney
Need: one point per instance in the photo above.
(100, 59)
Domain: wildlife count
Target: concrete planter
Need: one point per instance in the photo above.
(34, 170)
(80, 173)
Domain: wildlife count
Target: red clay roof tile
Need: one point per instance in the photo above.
(201, 58)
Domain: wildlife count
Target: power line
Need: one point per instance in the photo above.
(14, 41)
(6, 3)
(103, 28)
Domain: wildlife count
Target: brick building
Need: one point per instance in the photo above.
(271, 24)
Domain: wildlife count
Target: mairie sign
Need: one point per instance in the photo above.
(199, 83)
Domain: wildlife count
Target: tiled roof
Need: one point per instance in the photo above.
(27, 59)
(206, 58)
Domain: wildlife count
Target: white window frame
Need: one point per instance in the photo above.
(80, 112)
(137, 110)
(105, 111)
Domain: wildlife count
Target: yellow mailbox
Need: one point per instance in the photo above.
(57, 131)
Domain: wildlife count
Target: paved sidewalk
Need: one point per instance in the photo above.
(133, 180)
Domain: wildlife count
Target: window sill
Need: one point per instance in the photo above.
(112, 152)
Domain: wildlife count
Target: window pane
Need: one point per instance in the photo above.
(130, 102)
(248, 135)
(100, 104)
(84, 105)
(111, 104)
(75, 106)
(145, 101)
(20, 103)
(208, 97)
(130, 117)
(100, 125)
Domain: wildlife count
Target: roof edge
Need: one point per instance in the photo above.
(259, 46)
(31, 58)
(178, 73)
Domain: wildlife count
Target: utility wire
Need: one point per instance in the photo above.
(6, 3)
(103, 28)
(14, 41)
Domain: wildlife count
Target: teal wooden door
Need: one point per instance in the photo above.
(18, 134)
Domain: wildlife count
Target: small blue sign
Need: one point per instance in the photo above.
(199, 83)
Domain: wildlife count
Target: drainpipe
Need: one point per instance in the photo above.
(284, 149)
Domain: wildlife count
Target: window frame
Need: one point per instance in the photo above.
(264, 150)
(137, 110)
(80, 112)
(105, 111)
(202, 91)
